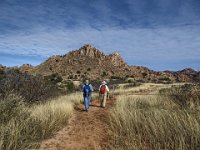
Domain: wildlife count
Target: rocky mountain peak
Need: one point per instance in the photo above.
(90, 51)
(116, 54)
(117, 60)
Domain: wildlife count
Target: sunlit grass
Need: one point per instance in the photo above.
(151, 122)
(121, 89)
(24, 127)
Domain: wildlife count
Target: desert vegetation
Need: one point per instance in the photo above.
(32, 108)
(136, 87)
(31, 88)
(23, 126)
(167, 121)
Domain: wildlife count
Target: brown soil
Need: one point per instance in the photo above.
(85, 131)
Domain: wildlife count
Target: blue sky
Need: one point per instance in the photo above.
(159, 34)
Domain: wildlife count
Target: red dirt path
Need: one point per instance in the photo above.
(85, 131)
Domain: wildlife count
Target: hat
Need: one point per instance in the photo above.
(104, 82)
(86, 81)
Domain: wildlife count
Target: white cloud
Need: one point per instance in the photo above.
(165, 43)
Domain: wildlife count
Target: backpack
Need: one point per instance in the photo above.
(103, 89)
(87, 90)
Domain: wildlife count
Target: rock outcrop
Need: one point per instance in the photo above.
(89, 51)
(25, 68)
(116, 60)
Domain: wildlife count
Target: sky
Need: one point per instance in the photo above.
(158, 34)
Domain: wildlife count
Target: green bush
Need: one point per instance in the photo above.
(70, 86)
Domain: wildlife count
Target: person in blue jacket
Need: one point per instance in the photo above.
(87, 91)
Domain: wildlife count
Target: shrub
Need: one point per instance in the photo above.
(131, 81)
(104, 74)
(164, 80)
(144, 74)
(115, 77)
(75, 76)
(1, 72)
(185, 96)
(11, 107)
(70, 76)
(31, 88)
(82, 76)
(54, 78)
(2, 76)
(70, 86)
(78, 72)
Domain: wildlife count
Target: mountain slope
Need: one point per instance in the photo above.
(89, 62)
(85, 62)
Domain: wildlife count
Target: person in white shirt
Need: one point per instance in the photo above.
(103, 92)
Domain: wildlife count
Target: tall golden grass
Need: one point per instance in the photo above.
(153, 122)
(145, 87)
(23, 127)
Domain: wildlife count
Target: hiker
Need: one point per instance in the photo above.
(87, 90)
(103, 93)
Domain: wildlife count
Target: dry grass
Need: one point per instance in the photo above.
(149, 122)
(23, 127)
(121, 89)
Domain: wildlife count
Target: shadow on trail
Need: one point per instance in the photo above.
(83, 109)
(79, 109)
(92, 105)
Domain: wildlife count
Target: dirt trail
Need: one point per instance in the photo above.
(85, 131)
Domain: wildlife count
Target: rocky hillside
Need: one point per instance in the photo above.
(89, 62)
